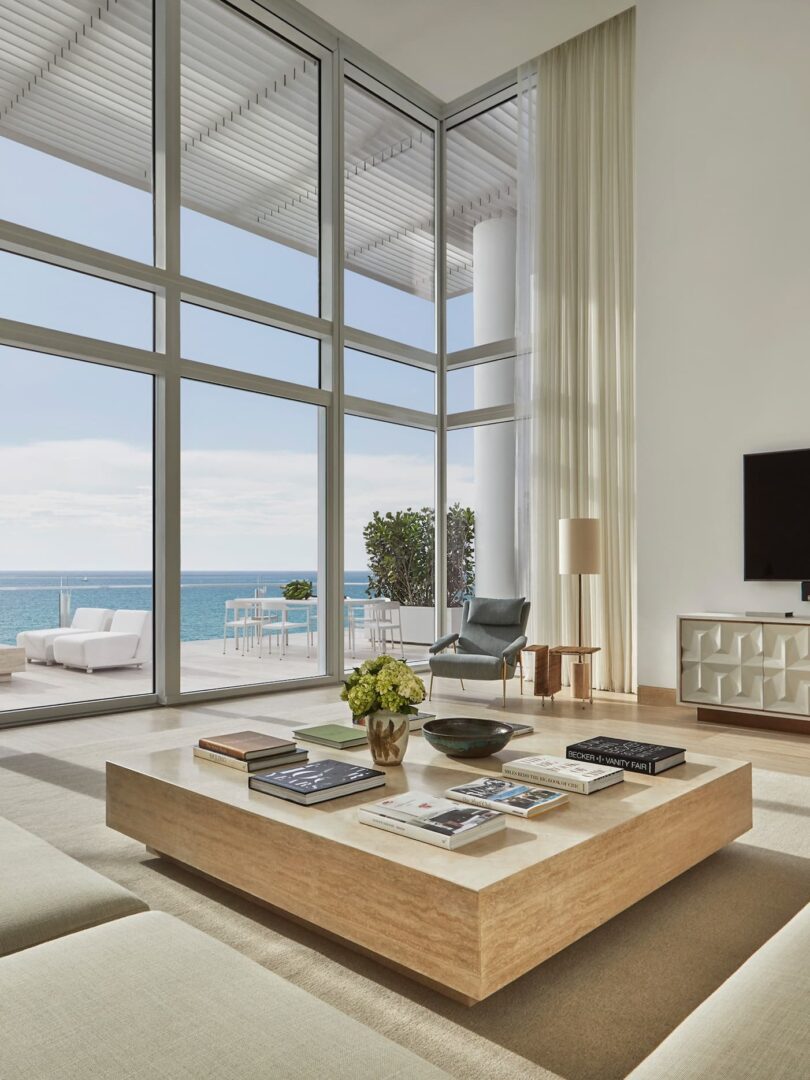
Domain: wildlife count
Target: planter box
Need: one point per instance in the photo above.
(418, 624)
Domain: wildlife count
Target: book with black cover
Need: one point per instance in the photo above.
(317, 781)
(649, 758)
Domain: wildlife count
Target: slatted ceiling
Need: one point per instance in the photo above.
(75, 81)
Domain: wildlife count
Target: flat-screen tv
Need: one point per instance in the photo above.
(777, 516)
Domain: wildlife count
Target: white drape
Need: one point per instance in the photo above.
(575, 371)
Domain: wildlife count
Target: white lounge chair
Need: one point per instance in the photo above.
(38, 644)
(128, 643)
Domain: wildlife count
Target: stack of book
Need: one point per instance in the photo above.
(335, 736)
(432, 820)
(250, 751)
(317, 781)
(507, 796)
(649, 758)
(557, 772)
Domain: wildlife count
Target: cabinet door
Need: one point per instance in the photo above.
(787, 668)
(721, 663)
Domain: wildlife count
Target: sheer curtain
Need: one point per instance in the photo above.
(575, 371)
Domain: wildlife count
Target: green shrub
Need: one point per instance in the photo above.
(297, 589)
(400, 548)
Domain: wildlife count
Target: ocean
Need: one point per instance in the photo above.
(30, 600)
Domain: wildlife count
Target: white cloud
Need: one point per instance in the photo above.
(86, 505)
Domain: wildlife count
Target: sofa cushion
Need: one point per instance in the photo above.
(754, 1026)
(149, 996)
(44, 893)
(466, 666)
(491, 612)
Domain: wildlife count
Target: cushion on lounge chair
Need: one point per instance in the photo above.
(494, 612)
(128, 641)
(38, 644)
(466, 666)
(45, 894)
(150, 996)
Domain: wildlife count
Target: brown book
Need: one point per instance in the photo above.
(245, 745)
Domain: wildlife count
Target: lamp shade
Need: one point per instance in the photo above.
(579, 546)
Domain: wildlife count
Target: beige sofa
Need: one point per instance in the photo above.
(94, 985)
(756, 1026)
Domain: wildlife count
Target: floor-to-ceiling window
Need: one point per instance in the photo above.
(182, 332)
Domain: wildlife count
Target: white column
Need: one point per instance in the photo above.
(494, 320)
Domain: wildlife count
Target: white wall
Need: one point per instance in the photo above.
(723, 294)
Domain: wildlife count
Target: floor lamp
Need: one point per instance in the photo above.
(579, 553)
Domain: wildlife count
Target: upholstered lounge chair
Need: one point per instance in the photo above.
(38, 644)
(128, 643)
(488, 645)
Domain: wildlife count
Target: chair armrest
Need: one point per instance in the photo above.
(511, 650)
(442, 643)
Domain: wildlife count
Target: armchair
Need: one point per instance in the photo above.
(487, 646)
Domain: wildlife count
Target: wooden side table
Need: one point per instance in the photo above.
(581, 685)
(547, 671)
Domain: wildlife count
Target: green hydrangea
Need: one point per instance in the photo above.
(383, 683)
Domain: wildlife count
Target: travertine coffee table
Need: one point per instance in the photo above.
(467, 922)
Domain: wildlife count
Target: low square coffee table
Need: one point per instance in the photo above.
(465, 922)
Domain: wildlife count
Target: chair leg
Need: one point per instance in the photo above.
(520, 664)
(430, 691)
(503, 678)
(462, 683)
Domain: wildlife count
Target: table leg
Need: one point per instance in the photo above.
(581, 680)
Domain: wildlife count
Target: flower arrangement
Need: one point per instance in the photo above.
(383, 683)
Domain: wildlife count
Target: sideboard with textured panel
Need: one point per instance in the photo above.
(744, 664)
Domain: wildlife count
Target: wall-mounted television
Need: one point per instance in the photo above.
(777, 516)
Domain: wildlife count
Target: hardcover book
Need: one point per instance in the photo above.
(317, 781)
(649, 758)
(296, 757)
(507, 796)
(338, 736)
(246, 745)
(557, 772)
(432, 820)
(518, 729)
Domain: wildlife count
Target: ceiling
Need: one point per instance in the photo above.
(453, 46)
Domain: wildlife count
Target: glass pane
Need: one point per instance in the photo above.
(389, 537)
(214, 338)
(75, 529)
(76, 126)
(250, 527)
(389, 221)
(481, 514)
(250, 158)
(45, 295)
(481, 386)
(378, 379)
(480, 216)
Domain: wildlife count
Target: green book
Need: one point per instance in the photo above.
(339, 736)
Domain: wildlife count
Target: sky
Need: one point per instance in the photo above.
(75, 438)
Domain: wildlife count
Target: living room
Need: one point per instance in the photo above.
(313, 313)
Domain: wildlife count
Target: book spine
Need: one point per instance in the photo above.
(611, 761)
(486, 804)
(205, 744)
(394, 825)
(565, 783)
(220, 759)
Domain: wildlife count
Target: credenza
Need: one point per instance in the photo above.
(745, 667)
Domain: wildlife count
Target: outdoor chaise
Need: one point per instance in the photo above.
(38, 644)
(128, 643)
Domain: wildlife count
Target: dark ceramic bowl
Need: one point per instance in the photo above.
(461, 736)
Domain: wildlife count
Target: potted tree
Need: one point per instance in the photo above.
(400, 548)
